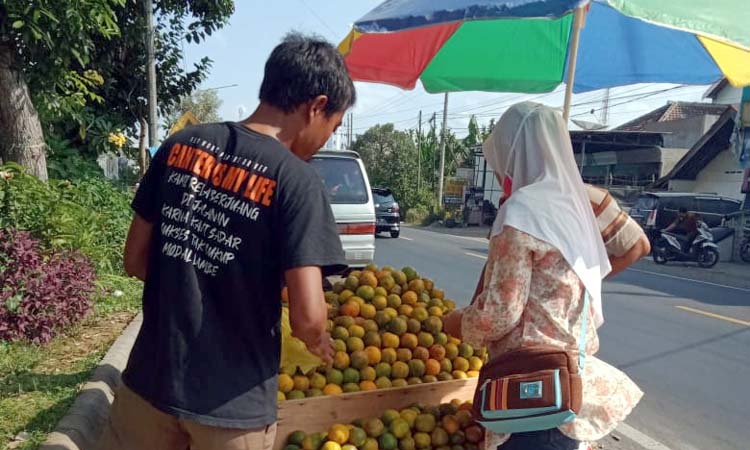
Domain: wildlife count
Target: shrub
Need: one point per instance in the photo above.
(417, 215)
(90, 215)
(41, 293)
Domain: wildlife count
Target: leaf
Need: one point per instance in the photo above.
(18, 24)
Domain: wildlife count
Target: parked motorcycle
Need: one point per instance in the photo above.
(703, 250)
(745, 246)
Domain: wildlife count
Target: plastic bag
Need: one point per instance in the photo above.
(294, 353)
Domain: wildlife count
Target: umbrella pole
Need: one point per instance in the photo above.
(579, 20)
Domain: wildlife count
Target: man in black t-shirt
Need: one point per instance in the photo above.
(226, 215)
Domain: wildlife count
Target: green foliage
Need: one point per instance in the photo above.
(90, 215)
(53, 42)
(417, 215)
(203, 104)
(391, 160)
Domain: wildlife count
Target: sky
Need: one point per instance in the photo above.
(239, 52)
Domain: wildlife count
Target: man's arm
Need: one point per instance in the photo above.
(308, 311)
(137, 247)
(619, 263)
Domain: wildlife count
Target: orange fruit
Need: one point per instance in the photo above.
(451, 425)
(461, 364)
(374, 356)
(341, 360)
(351, 308)
(339, 434)
(475, 364)
(420, 313)
(446, 365)
(409, 341)
(359, 359)
(451, 351)
(426, 339)
(366, 292)
(437, 293)
(286, 383)
(332, 389)
(368, 279)
(389, 355)
(410, 298)
(356, 331)
(421, 354)
(432, 367)
(459, 375)
(390, 312)
(354, 344)
(437, 352)
(368, 311)
(405, 310)
(390, 340)
(383, 383)
(368, 374)
(472, 374)
(301, 383)
(367, 385)
(372, 338)
(400, 370)
(380, 303)
(404, 355)
(435, 311)
(399, 383)
(417, 286)
(416, 368)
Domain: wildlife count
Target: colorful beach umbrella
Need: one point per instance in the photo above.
(530, 46)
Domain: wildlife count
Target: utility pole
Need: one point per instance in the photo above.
(153, 115)
(419, 152)
(605, 109)
(442, 152)
(351, 130)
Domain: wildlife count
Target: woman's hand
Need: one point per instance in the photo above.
(452, 323)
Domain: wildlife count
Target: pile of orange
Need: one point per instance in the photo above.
(387, 331)
(449, 426)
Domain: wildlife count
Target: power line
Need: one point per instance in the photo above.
(320, 19)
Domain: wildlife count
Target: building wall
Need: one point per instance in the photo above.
(722, 176)
(670, 157)
(683, 133)
(729, 96)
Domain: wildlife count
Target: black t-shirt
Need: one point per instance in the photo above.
(232, 210)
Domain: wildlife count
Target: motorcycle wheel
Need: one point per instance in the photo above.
(708, 258)
(745, 251)
(660, 254)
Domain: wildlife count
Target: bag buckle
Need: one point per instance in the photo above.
(531, 390)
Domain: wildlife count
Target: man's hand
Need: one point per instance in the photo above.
(323, 349)
(137, 247)
(452, 324)
(308, 312)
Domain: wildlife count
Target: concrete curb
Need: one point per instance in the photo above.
(82, 425)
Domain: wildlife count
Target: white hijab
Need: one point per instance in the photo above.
(531, 144)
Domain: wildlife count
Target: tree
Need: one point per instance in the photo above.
(45, 47)
(203, 104)
(391, 160)
(123, 60)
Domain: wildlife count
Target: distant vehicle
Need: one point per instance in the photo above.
(387, 212)
(348, 188)
(655, 211)
(703, 250)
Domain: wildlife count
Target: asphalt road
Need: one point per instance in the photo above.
(686, 343)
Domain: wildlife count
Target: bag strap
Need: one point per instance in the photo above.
(582, 338)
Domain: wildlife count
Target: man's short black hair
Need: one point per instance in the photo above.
(302, 68)
(683, 210)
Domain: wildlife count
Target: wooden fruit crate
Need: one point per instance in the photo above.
(319, 413)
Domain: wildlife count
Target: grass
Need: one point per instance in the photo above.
(39, 384)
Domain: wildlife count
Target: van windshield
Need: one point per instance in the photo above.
(645, 203)
(343, 180)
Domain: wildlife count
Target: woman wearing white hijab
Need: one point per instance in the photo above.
(546, 251)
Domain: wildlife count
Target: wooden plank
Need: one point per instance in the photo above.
(319, 413)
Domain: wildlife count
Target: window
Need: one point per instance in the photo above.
(709, 205)
(343, 180)
(645, 203)
(383, 197)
